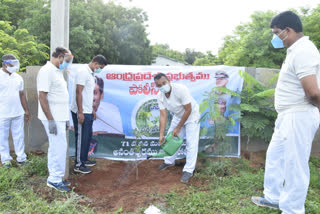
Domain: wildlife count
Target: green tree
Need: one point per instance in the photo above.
(164, 50)
(20, 43)
(250, 45)
(96, 27)
(190, 55)
(208, 59)
(311, 24)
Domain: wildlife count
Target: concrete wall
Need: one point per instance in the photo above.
(36, 139)
(35, 136)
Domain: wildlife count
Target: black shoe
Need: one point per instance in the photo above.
(82, 169)
(164, 166)
(90, 163)
(186, 177)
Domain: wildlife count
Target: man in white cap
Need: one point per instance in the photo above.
(13, 107)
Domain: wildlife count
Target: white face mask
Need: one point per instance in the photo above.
(13, 69)
(165, 89)
(14, 65)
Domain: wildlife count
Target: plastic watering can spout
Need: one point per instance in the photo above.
(170, 147)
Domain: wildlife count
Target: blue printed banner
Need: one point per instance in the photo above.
(125, 101)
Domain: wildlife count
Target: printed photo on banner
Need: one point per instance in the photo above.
(125, 101)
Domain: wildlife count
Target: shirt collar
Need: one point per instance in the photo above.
(89, 69)
(52, 66)
(297, 43)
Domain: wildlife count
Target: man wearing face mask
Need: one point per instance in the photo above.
(53, 111)
(177, 99)
(13, 107)
(83, 113)
(297, 102)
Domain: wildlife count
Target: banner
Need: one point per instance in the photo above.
(125, 100)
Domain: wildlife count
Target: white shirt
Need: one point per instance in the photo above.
(302, 60)
(10, 87)
(84, 76)
(108, 119)
(179, 97)
(50, 79)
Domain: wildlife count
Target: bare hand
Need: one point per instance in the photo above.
(80, 118)
(176, 132)
(27, 116)
(94, 115)
(161, 139)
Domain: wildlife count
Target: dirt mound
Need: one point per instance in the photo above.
(114, 184)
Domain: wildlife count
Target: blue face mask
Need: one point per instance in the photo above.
(97, 70)
(64, 66)
(277, 42)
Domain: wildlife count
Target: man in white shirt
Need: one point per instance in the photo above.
(53, 111)
(297, 101)
(13, 107)
(83, 113)
(177, 99)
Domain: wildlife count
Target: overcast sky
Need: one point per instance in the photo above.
(202, 24)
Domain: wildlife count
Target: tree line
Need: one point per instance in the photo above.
(119, 33)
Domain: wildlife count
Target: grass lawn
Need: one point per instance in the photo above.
(219, 186)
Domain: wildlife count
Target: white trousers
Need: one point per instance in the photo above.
(287, 174)
(191, 130)
(57, 151)
(16, 124)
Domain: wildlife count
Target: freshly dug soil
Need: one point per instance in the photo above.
(115, 184)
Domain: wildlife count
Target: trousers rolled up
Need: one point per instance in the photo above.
(83, 136)
(191, 131)
(57, 151)
(16, 125)
(287, 173)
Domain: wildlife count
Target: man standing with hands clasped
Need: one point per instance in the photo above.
(177, 99)
(297, 101)
(83, 113)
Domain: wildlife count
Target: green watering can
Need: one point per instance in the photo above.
(170, 146)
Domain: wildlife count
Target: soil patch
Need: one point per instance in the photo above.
(114, 184)
(257, 159)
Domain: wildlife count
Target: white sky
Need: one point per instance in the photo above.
(202, 24)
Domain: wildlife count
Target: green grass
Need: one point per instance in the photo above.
(228, 186)
(221, 186)
(18, 195)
